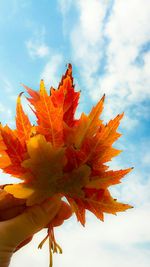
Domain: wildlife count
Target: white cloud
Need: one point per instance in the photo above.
(64, 6)
(50, 72)
(133, 190)
(37, 50)
(36, 45)
(91, 16)
(86, 36)
(129, 22)
(119, 241)
(125, 82)
(127, 30)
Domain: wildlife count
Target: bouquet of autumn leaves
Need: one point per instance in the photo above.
(60, 156)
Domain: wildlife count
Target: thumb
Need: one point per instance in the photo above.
(35, 218)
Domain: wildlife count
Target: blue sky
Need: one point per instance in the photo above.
(108, 44)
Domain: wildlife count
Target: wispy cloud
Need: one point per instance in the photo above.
(106, 41)
(64, 6)
(36, 49)
(127, 34)
(7, 86)
(36, 46)
(50, 71)
(6, 115)
(87, 37)
(17, 5)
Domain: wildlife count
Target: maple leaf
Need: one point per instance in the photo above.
(13, 153)
(48, 124)
(88, 125)
(61, 156)
(66, 96)
(43, 170)
(23, 124)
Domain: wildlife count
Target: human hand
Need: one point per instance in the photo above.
(20, 229)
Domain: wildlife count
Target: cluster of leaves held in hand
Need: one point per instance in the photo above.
(61, 155)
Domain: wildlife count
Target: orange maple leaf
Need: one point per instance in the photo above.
(61, 155)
